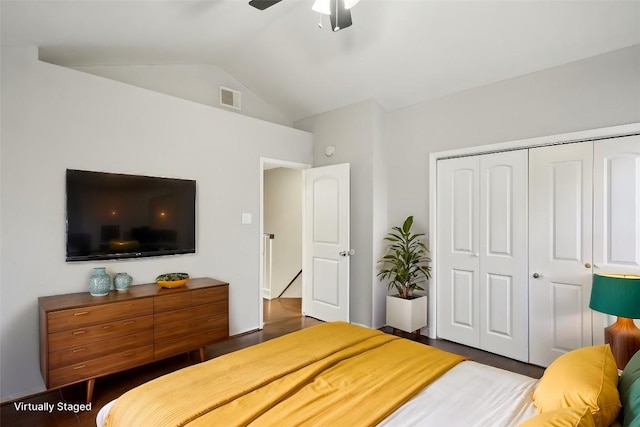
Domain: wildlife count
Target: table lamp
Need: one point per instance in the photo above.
(619, 295)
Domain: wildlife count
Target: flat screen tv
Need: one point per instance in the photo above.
(111, 216)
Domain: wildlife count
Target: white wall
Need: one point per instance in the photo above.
(295, 290)
(390, 174)
(597, 92)
(380, 225)
(55, 118)
(283, 218)
(354, 130)
(198, 83)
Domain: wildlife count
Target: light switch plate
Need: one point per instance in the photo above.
(246, 218)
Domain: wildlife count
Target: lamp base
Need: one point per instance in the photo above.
(624, 339)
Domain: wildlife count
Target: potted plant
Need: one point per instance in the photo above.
(405, 267)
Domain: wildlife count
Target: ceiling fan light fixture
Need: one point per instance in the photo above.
(348, 4)
(324, 6)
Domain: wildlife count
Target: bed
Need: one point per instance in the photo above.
(337, 374)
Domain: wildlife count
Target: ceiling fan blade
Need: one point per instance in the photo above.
(263, 4)
(340, 15)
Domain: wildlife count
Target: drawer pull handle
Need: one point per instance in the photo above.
(79, 332)
(81, 313)
(129, 353)
(129, 322)
(78, 350)
(79, 366)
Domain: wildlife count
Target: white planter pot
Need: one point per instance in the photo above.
(408, 315)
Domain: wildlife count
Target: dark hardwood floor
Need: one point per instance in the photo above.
(281, 317)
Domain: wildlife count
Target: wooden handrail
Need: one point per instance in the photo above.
(290, 283)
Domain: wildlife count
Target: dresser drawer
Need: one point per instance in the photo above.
(201, 333)
(209, 309)
(203, 296)
(177, 329)
(217, 333)
(203, 310)
(90, 334)
(166, 319)
(85, 316)
(171, 301)
(175, 346)
(177, 323)
(101, 366)
(213, 321)
(83, 353)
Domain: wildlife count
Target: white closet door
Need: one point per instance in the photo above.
(616, 214)
(616, 202)
(482, 252)
(560, 252)
(504, 323)
(458, 250)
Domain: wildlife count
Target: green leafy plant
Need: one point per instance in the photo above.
(405, 263)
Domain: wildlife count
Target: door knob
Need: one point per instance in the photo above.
(536, 275)
(587, 265)
(347, 253)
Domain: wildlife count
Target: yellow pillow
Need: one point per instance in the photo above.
(584, 377)
(567, 417)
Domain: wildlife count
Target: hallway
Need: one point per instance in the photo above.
(279, 309)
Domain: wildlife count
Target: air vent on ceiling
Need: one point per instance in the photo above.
(229, 98)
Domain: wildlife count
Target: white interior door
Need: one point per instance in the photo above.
(616, 213)
(458, 250)
(560, 253)
(504, 322)
(325, 243)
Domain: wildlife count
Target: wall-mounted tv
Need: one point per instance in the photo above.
(111, 216)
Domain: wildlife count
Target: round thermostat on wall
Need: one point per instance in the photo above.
(330, 150)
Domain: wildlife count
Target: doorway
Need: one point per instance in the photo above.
(281, 204)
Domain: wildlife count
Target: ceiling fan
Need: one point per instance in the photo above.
(338, 10)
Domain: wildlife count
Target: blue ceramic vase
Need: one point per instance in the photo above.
(122, 281)
(99, 282)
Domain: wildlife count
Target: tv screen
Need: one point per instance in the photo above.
(112, 216)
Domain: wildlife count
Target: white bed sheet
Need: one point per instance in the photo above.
(468, 395)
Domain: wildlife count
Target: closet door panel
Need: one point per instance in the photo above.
(560, 253)
(499, 306)
(462, 298)
(457, 217)
(566, 302)
(616, 214)
(617, 205)
(503, 254)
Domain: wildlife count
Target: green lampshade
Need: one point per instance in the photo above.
(616, 294)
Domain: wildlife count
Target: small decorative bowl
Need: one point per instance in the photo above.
(172, 280)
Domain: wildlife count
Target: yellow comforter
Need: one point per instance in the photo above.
(327, 375)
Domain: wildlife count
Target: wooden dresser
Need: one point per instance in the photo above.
(84, 337)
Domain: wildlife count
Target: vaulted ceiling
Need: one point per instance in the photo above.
(398, 52)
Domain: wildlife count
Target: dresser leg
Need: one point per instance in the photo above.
(90, 384)
(202, 354)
